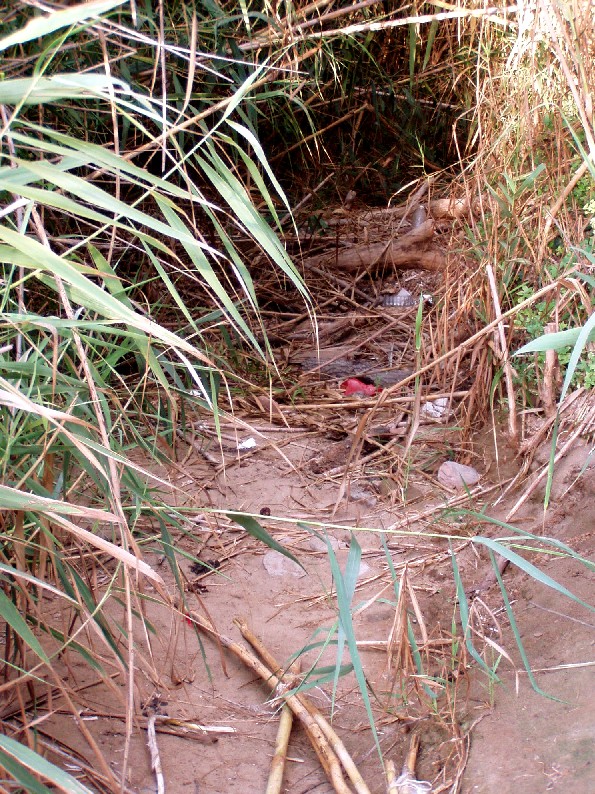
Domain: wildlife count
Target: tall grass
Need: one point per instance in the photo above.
(86, 372)
(135, 173)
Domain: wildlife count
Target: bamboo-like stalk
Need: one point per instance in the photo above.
(323, 750)
(513, 426)
(278, 761)
(334, 740)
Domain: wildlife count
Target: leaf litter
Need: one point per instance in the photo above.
(350, 476)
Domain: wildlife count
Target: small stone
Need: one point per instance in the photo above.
(457, 475)
(278, 565)
(319, 544)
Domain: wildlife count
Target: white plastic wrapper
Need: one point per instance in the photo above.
(435, 409)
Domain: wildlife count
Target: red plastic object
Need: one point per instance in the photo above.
(356, 386)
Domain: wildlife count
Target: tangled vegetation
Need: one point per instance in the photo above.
(151, 157)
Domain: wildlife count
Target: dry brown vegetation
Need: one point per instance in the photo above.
(207, 218)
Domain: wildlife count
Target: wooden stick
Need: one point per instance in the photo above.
(335, 742)
(551, 215)
(338, 746)
(412, 250)
(391, 777)
(324, 751)
(155, 756)
(278, 761)
(410, 762)
(551, 377)
(513, 428)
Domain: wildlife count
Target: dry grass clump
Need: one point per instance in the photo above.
(534, 180)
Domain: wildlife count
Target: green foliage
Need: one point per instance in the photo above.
(514, 197)
(534, 318)
(584, 194)
(529, 373)
(514, 545)
(157, 172)
(20, 762)
(87, 372)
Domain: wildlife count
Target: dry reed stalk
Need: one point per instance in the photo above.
(340, 749)
(155, 755)
(130, 547)
(513, 428)
(372, 403)
(398, 656)
(458, 500)
(54, 747)
(275, 780)
(322, 723)
(558, 204)
(411, 760)
(490, 13)
(390, 770)
(529, 446)
(543, 473)
(320, 132)
(386, 396)
(101, 760)
(325, 753)
(551, 377)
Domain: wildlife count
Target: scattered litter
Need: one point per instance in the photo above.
(435, 409)
(248, 443)
(363, 495)
(356, 387)
(278, 565)
(403, 299)
(457, 475)
(349, 199)
(418, 217)
(405, 784)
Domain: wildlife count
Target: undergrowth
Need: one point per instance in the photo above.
(145, 157)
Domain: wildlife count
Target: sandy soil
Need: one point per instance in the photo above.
(528, 742)
(476, 736)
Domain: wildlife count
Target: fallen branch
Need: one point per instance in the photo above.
(275, 780)
(324, 726)
(439, 209)
(323, 750)
(412, 250)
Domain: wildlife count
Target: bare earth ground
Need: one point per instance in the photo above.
(530, 743)
(515, 739)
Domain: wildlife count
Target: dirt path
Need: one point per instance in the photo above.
(531, 743)
(421, 680)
